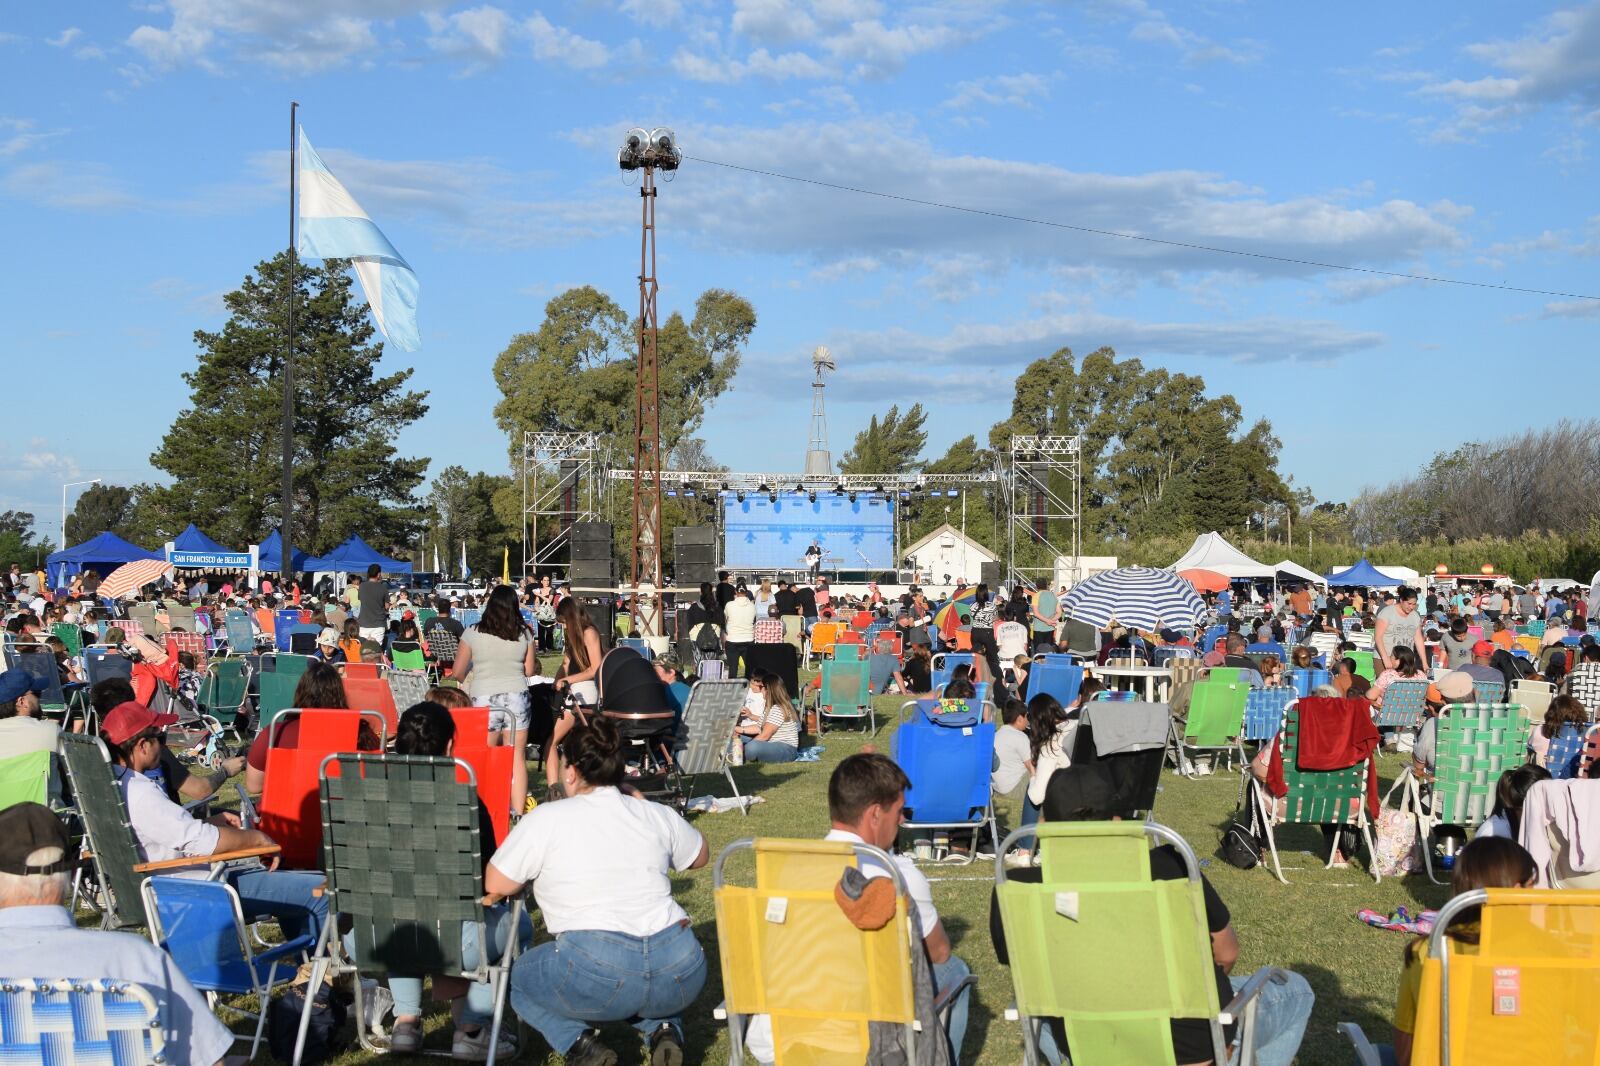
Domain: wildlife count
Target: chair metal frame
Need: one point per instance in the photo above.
(987, 816)
(1267, 807)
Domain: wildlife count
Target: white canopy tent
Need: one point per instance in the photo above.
(1403, 574)
(1211, 551)
(1295, 570)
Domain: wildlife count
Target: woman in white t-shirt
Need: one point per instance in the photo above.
(600, 862)
(496, 658)
(775, 735)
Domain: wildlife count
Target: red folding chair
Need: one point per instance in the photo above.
(194, 643)
(848, 636)
(369, 671)
(491, 765)
(887, 644)
(290, 812)
(372, 694)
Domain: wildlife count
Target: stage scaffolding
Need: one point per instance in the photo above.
(1045, 486)
(563, 481)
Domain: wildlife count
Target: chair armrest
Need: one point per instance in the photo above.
(205, 860)
(299, 944)
(947, 996)
(1234, 1011)
(1366, 1054)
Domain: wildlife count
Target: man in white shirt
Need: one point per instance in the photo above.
(22, 731)
(38, 938)
(739, 628)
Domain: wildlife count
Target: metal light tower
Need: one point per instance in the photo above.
(649, 152)
(819, 463)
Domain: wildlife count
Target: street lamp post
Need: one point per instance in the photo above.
(71, 484)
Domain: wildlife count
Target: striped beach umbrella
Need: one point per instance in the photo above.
(1139, 597)
(131, 577)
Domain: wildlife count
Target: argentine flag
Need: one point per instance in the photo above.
(333, 226)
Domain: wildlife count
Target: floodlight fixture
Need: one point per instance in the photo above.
(772, 497)
(812, 496)
(739, 495)
(852, 497)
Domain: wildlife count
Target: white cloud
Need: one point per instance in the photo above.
(295, 36)
(69, 186)
(1003, 90)
(39, 461)
(1151, 25)
(64, 38)
(1356, 287)
(562, 45)
(759, 64)
(657, 13)
(17, 135)
(477, 33)
(1571, 309)
(1556, 62)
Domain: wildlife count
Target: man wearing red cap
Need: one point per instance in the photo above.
(1480, 670)
(163, 830)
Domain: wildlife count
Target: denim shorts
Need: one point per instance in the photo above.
(508, 711)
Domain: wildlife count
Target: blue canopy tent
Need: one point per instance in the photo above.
(353, 557)
(270, 555)
(103, 554)
(1363, 574)
(192, 540)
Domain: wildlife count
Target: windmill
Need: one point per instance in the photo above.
(819, 463)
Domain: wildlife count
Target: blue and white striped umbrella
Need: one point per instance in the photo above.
(1139, 597)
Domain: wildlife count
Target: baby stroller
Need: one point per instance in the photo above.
(195, 736)
(633, 697)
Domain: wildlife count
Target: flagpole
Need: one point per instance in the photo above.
(286, 571)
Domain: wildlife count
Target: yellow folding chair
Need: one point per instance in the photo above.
(790, 953)
(1526, 994)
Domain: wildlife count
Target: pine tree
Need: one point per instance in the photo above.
(224, 452)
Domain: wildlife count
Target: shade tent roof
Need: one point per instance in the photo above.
(192, 540)
(103, 554)
(1363, 574)
(1211, 551)
(1294, 569)
(353, 557)
(270, 554)
(1404, 574)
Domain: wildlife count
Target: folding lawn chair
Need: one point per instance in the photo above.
(820, 642)
(240, 634)
(1063, 680)
(201, 925)
(411, 659)
(845, 692)
(407, 688)
(821, 980)
(491, 765)
(369, 695)
(288, 809)
(70, 635)
(1135, 759)
(224, 691)
(1564, 756)
(1365, 663)
(1263, 713)
(26, 778)
(401, 846)
(1474, 745)
(709, 716)
(949, 768)
(1526, 993)
(944, 664)
(108, 835)
(1583, 681)
(1404, 703)
(80, 1020)
(1316, 797)
(42, 664)
(275, 694)
(283, 626)
(1148, 938)
(1215, 723)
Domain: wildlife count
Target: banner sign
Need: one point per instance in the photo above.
(212, 560)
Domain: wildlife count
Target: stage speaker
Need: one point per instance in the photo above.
(591, 541)
(593, 573)
(989, 574)
(602, 612)
(695, 554)
(695, 535)
(688, 576)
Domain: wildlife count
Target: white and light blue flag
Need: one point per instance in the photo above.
(333, 226)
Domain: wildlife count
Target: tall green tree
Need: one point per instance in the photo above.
(100, 508)
(889, 445)
(18, 543)
(461, 508)
(223, 452)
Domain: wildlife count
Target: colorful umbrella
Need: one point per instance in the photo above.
(131, 577)
(1139, 597)
(948, 618)
(1205, 580)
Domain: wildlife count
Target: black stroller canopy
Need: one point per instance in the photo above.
(629, 685)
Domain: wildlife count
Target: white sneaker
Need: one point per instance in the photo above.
(1018, 860)
(475, 1047)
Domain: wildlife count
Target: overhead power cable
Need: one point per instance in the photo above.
(1189, 245)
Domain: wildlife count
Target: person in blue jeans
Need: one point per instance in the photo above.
(773, 736)
(600, 863)
(1087, 793)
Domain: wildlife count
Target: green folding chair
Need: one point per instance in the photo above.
(1224, 673)
(1146, 940)
(1215, 723)
(1316, 797)
(274, 695)
(291, 665)
(25, 779)
(1474, 744)
(424, 616)
(71, 636)
(413, 660)
(401, 846)
(846, 692)
(224, 690)
(1366, 665)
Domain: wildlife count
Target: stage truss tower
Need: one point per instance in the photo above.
(562, 483)
(1044, 501)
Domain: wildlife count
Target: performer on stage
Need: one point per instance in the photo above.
(814, 559)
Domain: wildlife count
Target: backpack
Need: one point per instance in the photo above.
(707, 643)
(323, 1041)
(1243, 837)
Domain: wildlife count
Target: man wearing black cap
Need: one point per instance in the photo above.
(1086, 793)
(39, 939)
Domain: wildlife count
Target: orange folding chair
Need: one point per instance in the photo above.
(963, 640)
(369, 671)
(491, 765)
(372, 694)
(289, 812)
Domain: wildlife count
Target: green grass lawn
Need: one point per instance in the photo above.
(1308, 926)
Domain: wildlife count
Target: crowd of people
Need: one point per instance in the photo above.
(620, 947)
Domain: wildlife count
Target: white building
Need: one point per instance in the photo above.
(945, 557)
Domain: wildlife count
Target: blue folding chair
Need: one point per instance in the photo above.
(949, 769)
(1305, 681)
(303, 638)
(42, 664)
(241, 634)
(1264, 709)
(945, 663)
(201, 925)
(283, 623)
(1061, 680)
(638, 644)
(79, 1020)
(1404, 703)
(469, 617)
(1565, 754)
(1271, 648)
(1165, 656)
(1212, 635)
(881, 667)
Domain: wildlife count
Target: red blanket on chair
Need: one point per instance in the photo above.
(1333, 734)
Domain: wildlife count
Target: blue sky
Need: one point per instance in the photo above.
(143, 173)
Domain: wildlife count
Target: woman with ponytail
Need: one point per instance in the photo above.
(600, 864)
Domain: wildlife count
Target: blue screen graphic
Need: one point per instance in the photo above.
(762, 535)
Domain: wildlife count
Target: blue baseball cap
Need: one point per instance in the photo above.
(14, 683)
